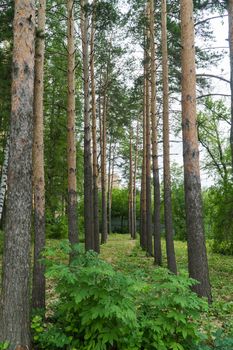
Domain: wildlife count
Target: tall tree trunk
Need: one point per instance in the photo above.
(109, 182)
(143, 238)
(130, 219)
(104, 231)
(230, 21)
(110, 194)
(88, 199)
(134, 183)
(148, 141)
(15, 297)
(3, 184)
(94, 139)
(171, 259)
(71, 138)
(197, 257)
(154, 122)
(38, 285)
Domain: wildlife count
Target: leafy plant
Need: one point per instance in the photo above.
(219, 341)
(169, 312)
(99, 308)
(95, 308)
(5, 345)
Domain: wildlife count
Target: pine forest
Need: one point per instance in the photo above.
(116, 174)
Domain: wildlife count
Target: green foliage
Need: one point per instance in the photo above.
(220, 217)
(219, 341)
(56, 226)
(169, 312)
(5, 345)
(95, 308)
(99, 308)
(178, 203)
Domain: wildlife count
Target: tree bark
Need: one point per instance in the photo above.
(3, 184)
(15, 297)
(71, 137)
(94, 139)
(109, 183)
(230, 21)
(134, 184)
(154, 122)
(148, 141)
(88, 199)
(131, 217)
(143, 238)
(171, 259)
(110, 194)
(38, 285)
(104, 230)
(197, 256)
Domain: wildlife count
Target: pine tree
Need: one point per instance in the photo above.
(38, 285)
(15, 298)
(88, 176)
(71, 137)
(171, 259)
(197, 256)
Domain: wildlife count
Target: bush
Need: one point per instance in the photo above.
(169, 312)
(95, 309)
(56, 227)
(221, 218)
(99, 308)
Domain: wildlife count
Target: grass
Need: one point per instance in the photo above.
(126, 255)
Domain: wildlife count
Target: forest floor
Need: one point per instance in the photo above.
(126, 255)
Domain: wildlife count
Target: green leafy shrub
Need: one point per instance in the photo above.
(221, 202)
(5, 345)
(98, 308)
(56, 227)
(95, 309)
(169, 312)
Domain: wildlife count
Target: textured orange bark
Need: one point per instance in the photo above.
(197, 257)
(15, 297)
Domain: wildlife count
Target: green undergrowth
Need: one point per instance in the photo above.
(121, 300)
(99, 307)
(127, 256)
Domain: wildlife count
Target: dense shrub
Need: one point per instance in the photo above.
(220, 217)
(169, 312)
(99, 308)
